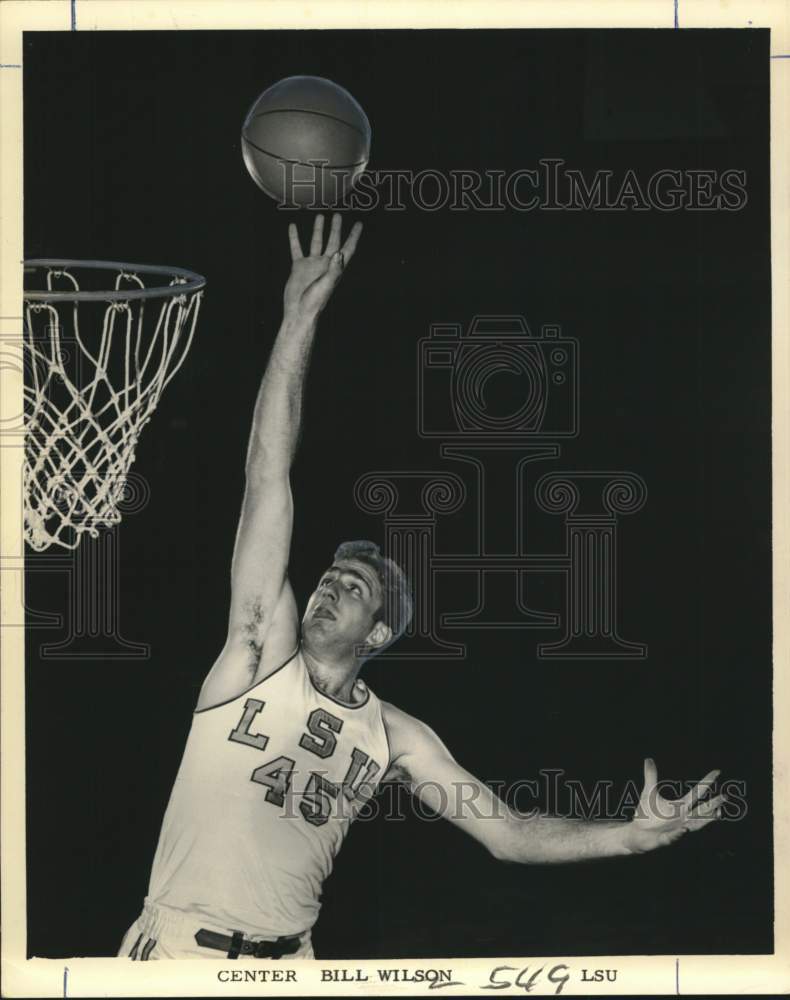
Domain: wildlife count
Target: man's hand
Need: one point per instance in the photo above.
(313, 278)
(659, 821)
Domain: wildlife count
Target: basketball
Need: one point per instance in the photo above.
(306, 141)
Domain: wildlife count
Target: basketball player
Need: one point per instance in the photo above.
(287, 742)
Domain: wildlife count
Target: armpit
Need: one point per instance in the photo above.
(397, 772)
(253, 629)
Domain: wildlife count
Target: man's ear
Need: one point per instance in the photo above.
(380, 635)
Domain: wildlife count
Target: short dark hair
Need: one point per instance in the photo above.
(397, 602)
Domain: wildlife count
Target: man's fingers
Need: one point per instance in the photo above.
(698, 824)
(317, 242)
(293, 237)
(700, 790)
(651, 775)
(351, 242)
(709, 808)
(706, 812)
(333, 243)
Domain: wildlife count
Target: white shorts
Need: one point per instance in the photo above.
(163, 933)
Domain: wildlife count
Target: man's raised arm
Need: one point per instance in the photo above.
(263, 617)
(421, 760)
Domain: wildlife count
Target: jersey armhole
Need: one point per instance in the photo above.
(255, 684)
(387, 739)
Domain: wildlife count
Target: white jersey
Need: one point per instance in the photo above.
(268, 786)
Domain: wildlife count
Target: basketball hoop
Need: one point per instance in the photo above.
(87, 397)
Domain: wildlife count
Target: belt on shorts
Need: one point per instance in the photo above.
(236, 944)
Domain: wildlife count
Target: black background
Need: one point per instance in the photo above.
(132, 153)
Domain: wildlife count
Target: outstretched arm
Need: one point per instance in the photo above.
(263, 616)
(420, 759)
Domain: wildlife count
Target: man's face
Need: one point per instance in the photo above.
(343, 609)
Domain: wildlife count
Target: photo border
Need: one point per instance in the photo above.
(646, 975)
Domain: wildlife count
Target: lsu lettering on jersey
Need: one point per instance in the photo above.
(267, 788)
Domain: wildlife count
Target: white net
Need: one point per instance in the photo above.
(88, 396)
